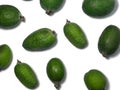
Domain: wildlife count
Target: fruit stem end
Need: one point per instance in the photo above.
(57, 85)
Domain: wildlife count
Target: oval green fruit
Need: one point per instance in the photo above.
(109, 40)
(95, 80)
(98, 8)
(56, 71)
(5, 56)
(26, 75)
(10, 16)
(75, 34)
(51, 6)
(41, 39)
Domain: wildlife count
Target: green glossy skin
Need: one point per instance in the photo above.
(41, 39)
(95, 80)
(109, 40)
(5, 56)
(75, 35)
(98, 8)
(51, 6)
(9, 16)
(26, 75)
(55, 71)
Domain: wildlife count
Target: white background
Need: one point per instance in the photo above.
(76, 61)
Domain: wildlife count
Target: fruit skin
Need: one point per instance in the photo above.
(95, 80)
(5, 56)
(98, 8)
(51, 6)
(26, 75)
(109, 40)
(75, 34)
(55, 71)
(41, 39)
(10, 16)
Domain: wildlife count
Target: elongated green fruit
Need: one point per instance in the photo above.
(5, 56)
(75, 35)
(95, 80)
(10, 16)
(51, 6)
(26, 75)
(41, 39)
(109, 40)
(55, 71)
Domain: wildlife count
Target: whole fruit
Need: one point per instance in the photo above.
(109, 40)
(75, 34)
(26, 75)
(10, 16)
(5, 56)
(51, 6)
(41, 39)
(55, 71)
(98, 8)
(95, 80)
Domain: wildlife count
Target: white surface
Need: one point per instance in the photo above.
(77, 61)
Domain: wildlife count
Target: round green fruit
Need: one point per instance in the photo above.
(10, 16)
(5, 56)
(55, 71)
(51, 6)
(98, 8)
(109, 40)
(95, 80)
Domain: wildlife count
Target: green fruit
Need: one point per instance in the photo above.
(98, 8)
(51, 6)
(41, 39)
(26, 75)
(109, 40)
(5, 56)
(95, 80)
(75, 35)
(55, 71)
(10, 16)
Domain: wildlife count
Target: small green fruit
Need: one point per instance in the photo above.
(109, 40)
(95, 80)
(10, 16)
(75, 34)
(51, 6)
(98, 8)
(55, 71)
(26, 75)
(41, 39)
(5, 56)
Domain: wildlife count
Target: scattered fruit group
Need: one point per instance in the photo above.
(41, 39)
(98, 8)
(10, 16)
(95, 80)
(56, 71)
(51, 6)
(109, 40)
(26, 75)
(75, 34)
(5, 56)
